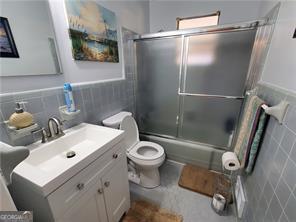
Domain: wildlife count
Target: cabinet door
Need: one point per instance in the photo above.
(89, 208)
(116, 190)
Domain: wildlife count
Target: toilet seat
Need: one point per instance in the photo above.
(136, 149)
(144, 150)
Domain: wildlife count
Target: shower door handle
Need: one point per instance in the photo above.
(210, 96)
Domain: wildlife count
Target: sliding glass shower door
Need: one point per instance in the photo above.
(192, 87)
(215, 73)
(157, 85)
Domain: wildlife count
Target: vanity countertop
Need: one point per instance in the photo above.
(48, 167)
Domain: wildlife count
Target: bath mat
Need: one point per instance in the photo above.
(204, 181)
(142, 211)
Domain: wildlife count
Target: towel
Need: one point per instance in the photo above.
(10, 157)
(256, 142)
(247, 131)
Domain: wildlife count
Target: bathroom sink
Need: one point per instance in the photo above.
(51, 164)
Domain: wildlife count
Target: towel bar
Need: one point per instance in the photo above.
(277, 111)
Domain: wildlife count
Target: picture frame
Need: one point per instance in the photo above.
(7, 44)
(93, 34)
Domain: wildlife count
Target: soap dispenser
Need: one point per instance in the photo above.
(20, 119)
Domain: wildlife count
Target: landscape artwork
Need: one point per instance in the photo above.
(7, 45)
(93, 31)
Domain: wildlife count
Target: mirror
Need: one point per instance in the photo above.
(27, 39)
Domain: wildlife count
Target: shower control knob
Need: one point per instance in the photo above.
(115, 155)
(107, 184)
(80, 186)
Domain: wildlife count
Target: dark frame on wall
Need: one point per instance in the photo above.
(8, 47)
(217, 13)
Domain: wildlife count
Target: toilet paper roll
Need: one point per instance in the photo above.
(230, 161)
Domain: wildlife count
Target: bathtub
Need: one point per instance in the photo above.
(187, 152)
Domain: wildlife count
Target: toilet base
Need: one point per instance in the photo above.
(133, 177)
(149, 178)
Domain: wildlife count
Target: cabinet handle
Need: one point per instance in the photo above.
(100, 190)
(80, 186)
(115, 155)
(107, 183)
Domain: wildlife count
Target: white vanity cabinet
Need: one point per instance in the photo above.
(103, 200)
(90, 207)
(97, 193)
(115, 187)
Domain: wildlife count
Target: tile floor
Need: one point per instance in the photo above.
(192, 206)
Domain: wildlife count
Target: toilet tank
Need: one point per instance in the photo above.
(115, 120)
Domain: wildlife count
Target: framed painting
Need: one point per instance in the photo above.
(7, 44)
(93, 31)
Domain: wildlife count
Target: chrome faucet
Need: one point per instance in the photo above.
(55, 128)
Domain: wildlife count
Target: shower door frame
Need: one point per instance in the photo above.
(185, 34)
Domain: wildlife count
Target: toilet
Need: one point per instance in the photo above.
(144, 157)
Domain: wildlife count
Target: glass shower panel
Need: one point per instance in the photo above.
(158, 63)
(217, 64)
(209, 120)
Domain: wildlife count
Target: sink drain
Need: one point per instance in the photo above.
(70, 154)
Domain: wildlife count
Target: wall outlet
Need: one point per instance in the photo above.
(240, 197)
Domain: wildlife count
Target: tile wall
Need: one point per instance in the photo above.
(96, 101)
(271, 188)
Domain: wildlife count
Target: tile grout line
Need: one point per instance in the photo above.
(289, 155)
(281, 177)
(291, 194)
(293, 191)
(274, 189)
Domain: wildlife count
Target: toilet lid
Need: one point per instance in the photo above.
(130, 128)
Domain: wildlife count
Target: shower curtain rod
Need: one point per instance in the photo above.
(202, 31)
